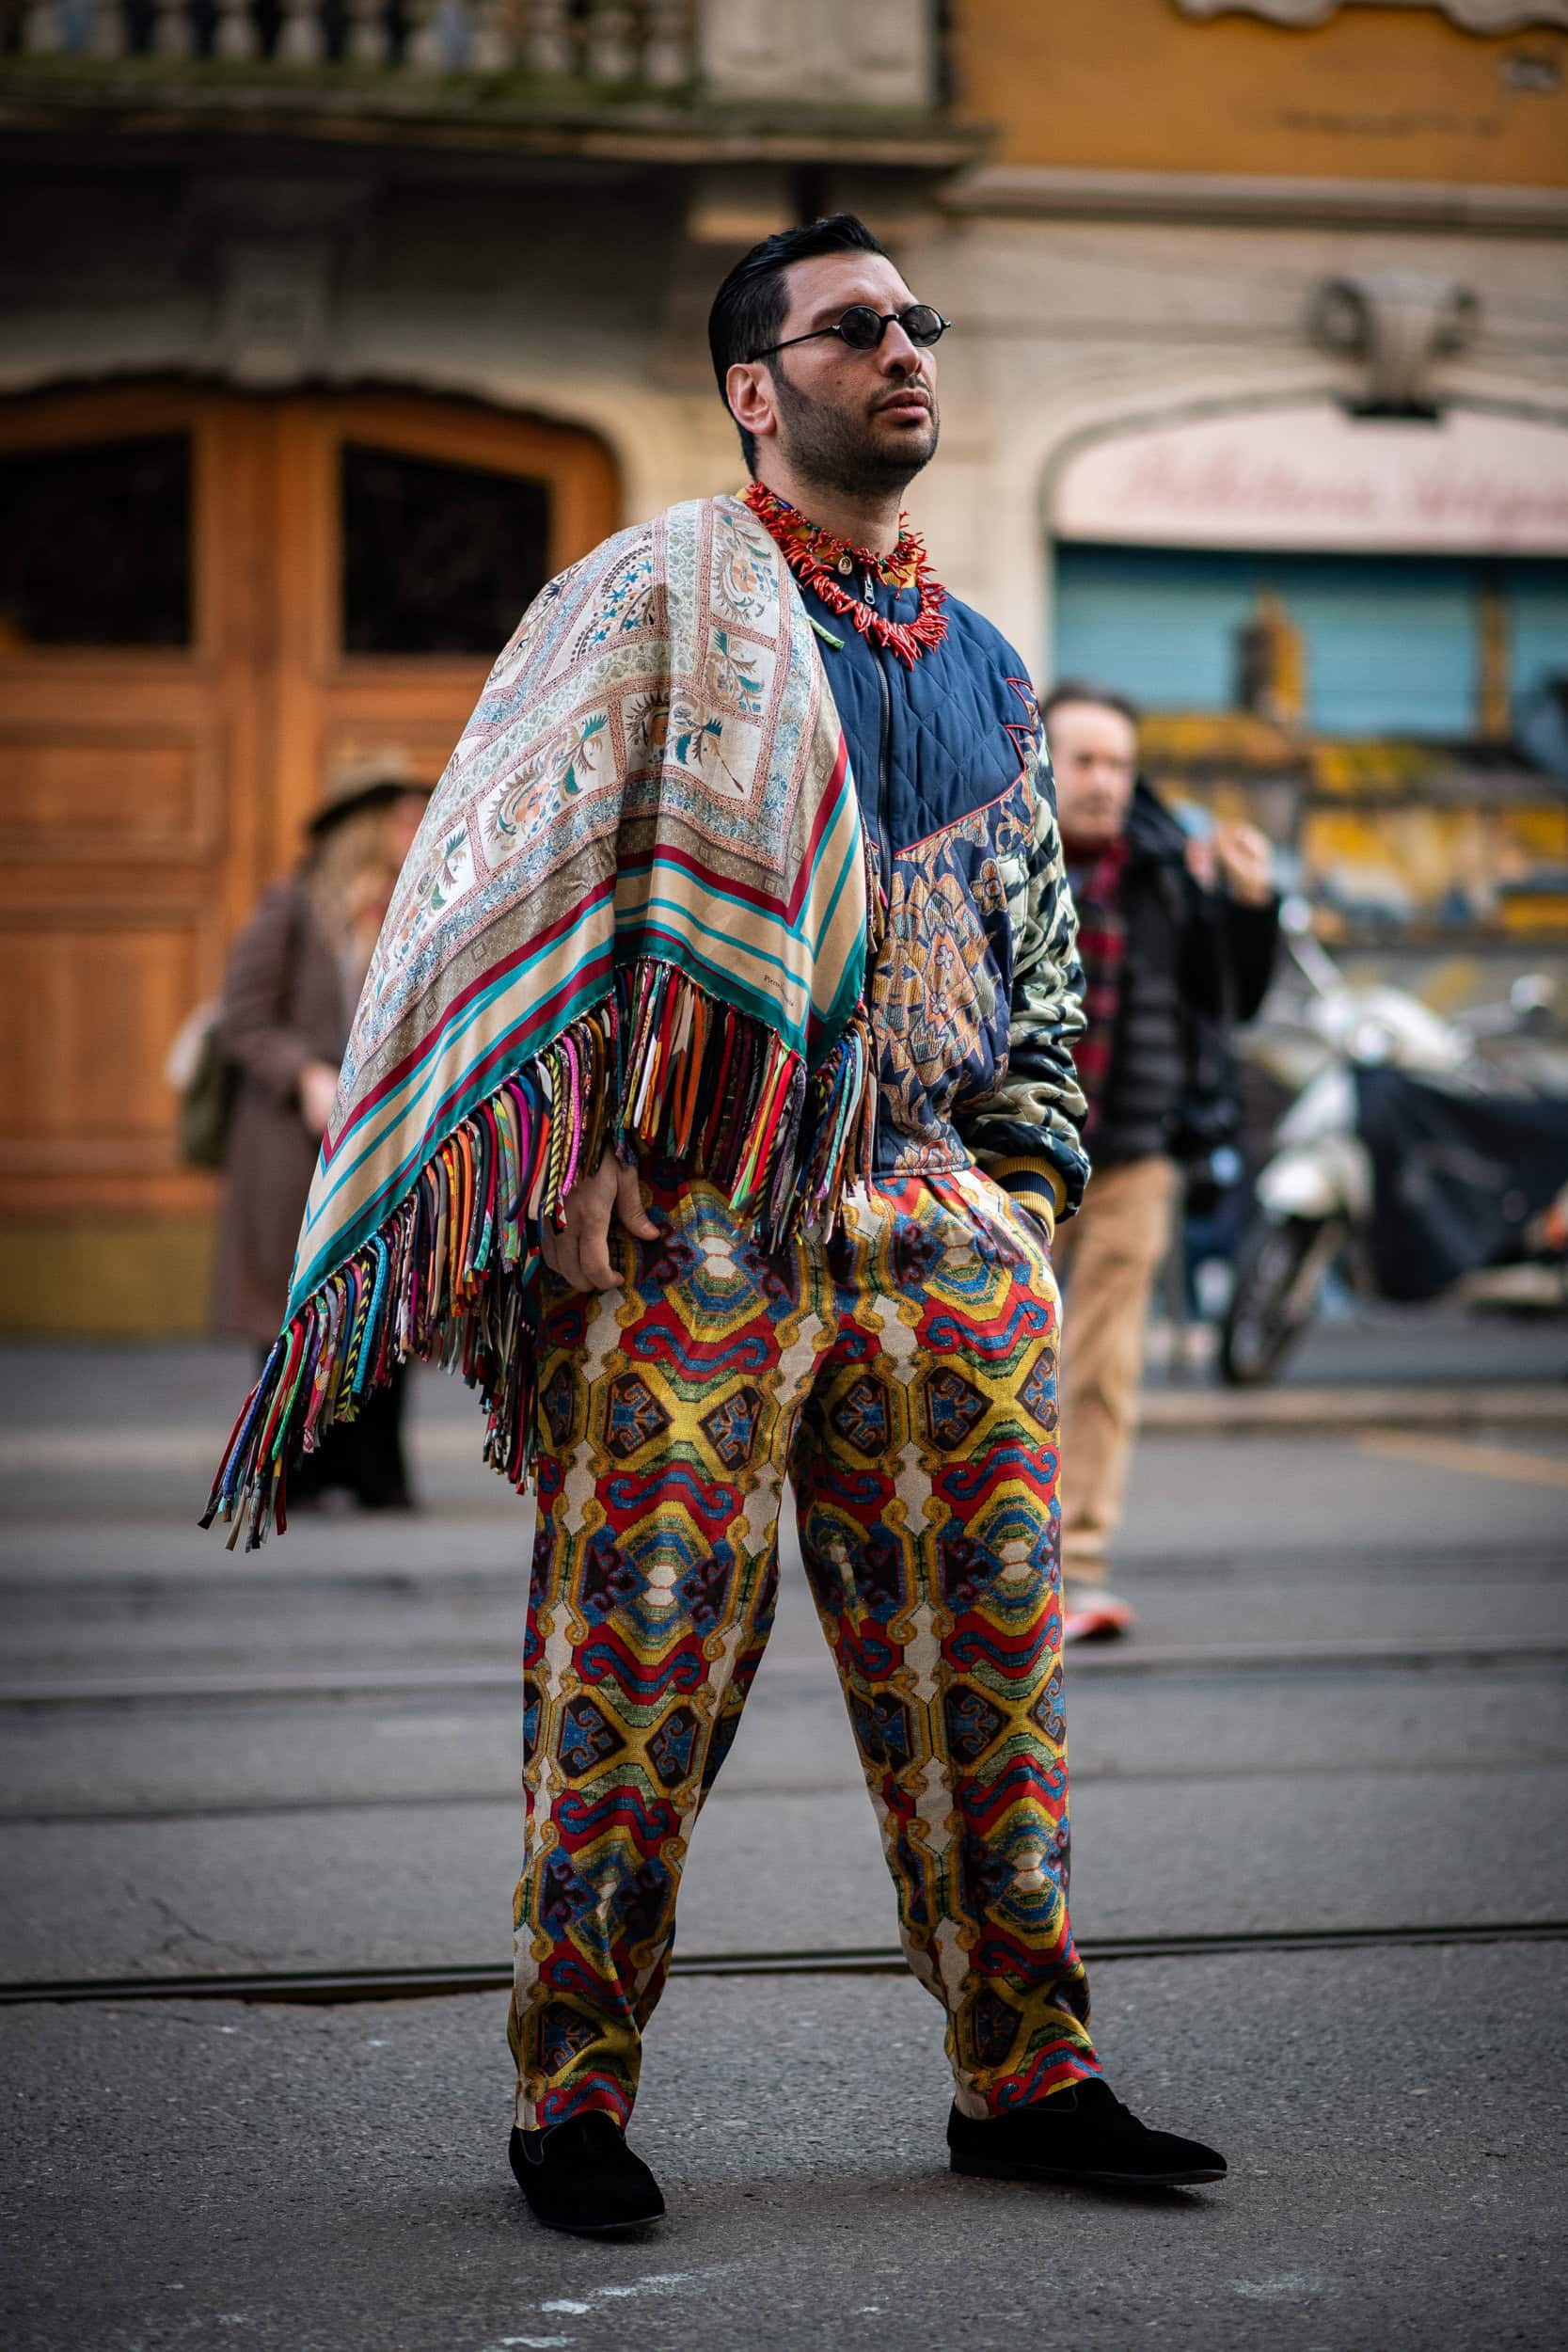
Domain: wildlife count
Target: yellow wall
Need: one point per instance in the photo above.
(118, 1277)
(1377, 93)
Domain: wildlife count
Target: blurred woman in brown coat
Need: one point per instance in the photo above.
(289, 994)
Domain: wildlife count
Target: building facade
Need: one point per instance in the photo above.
(332, 329)
(1292, 412)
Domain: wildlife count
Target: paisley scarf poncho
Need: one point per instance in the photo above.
(635, 917)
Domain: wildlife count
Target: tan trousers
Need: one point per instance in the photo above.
(1110, 1253)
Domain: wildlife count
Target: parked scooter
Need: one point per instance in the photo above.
(1416, 1148)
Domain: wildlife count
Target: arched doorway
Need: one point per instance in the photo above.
(206, 601)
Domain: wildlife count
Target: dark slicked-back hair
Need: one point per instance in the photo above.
(1083, 689)
(748, 309)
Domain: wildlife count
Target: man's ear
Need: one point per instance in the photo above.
(749, 390)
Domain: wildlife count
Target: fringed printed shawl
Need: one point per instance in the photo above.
(635, 916)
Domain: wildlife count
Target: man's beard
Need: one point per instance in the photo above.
(836, 451)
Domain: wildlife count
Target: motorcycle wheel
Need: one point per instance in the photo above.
(1273, 1298)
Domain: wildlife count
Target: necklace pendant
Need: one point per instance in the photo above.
(845, 563)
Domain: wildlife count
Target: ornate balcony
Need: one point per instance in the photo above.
(505, 56)
(649, 47)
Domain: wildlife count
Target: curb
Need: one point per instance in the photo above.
(1250, 1412)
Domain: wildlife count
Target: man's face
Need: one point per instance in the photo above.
(1094, 754)
(850, 422)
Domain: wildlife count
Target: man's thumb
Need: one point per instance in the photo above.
(628, 1204)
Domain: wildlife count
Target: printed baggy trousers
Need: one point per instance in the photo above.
(903, 1377)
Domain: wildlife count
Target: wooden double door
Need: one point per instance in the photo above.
(207, 602)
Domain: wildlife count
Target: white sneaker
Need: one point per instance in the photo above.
(1090, 1614)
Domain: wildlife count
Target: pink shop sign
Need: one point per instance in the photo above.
(1318, 477)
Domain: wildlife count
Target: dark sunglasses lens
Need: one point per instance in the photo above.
(921, 323)
(860, 327)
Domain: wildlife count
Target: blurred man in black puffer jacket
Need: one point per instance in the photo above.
(1177, 939)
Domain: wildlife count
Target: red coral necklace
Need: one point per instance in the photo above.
(824, 562)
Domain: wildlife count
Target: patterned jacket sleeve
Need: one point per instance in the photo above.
(1027, 1133)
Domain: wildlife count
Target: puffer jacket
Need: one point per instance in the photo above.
(974, 996)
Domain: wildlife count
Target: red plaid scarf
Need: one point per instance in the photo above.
(1096, 874)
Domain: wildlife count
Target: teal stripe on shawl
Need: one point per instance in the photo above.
(472, 1091)
(503, 964)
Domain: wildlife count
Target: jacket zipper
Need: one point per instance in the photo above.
(884, 764)
(884, 845)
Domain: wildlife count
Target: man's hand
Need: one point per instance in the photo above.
(580, 1252)
(318, 1091)
(1245, 863)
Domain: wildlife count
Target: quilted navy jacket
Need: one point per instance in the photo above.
(975, 995)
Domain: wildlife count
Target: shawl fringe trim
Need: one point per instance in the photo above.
(658, 1067)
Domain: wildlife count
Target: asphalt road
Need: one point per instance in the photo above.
(1343, 1710)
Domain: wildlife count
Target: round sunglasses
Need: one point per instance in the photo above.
(863, 328)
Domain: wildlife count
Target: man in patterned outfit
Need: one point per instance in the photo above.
(901, 1375)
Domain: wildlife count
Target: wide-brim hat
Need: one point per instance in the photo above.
(371, 780)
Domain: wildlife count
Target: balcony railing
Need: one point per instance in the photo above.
(880, 57)
(648, 45)
(878, 62)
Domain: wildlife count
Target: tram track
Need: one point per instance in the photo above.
(1161, 1774)
(295, 1683)
(285, 1583)
(335, 1987)
(185, 1449)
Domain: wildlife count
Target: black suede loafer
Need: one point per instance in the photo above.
(1082, 2134)
(582, 2176)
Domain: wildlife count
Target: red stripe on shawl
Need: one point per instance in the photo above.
(786, 908)
(826, 816)
(703, 874)
(505, 1048)
(531, 947)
